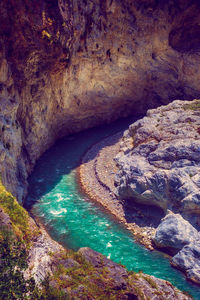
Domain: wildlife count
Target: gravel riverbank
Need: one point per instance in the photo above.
(96, 175)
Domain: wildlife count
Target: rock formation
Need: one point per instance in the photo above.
(174, 233)
(69, 66)
(159, 165)
(188, 260)
(145, 285)
(61, 273)
(160, 159)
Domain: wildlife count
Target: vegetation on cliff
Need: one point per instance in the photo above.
(55, 73)
(13, 255)
(15, 236)
(85, 274)
(18, 216)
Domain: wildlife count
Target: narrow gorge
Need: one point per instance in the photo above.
(66, 66)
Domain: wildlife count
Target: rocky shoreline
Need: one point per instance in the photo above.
(159, 164)
(58, 273)
(149, 181)
(96, 176)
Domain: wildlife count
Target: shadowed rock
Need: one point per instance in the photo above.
(174, 233)
(188, 260)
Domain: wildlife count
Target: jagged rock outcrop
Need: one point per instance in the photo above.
(160, 162)
(178, 237)
(40, 257)
(159, 165)
(30, 243)
(174, 233)
(117, 273)
(69, 66)
(188, 260)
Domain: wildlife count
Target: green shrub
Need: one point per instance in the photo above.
(13, 262)
(18, 215)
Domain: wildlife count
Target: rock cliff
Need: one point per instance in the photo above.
(159, 165)
(66, 66)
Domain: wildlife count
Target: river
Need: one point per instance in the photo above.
(75, 221)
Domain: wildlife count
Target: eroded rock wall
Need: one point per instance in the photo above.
(71, 65)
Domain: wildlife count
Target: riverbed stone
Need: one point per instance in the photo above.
(174, 232)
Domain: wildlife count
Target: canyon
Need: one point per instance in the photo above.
(66, 67)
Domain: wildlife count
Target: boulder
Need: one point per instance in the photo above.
(188, 260)
(174, 233)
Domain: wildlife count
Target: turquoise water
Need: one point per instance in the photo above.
(76, 222)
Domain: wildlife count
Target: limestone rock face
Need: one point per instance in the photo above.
(40, 261)
(188, 260)
(66, 66)
(174, 233)
(12, 164)
(159, 162)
